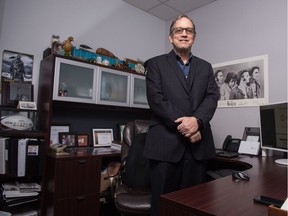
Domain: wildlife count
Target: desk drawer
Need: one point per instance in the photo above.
(76, 177)
(79, 205)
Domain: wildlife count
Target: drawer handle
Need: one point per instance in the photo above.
(80, 198)
(82, 161)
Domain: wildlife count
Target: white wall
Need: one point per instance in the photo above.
(235, 29)
(115, 25)
(226, 30)
(1, 15)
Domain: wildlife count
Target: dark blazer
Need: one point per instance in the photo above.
(170, 96)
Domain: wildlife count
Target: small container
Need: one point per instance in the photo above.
(99, 60)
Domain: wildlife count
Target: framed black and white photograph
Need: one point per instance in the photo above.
(83, 140)
(17, 66)
(13, 92)
(102, 137)
(55, 129)
(242, 82)
(69, 139)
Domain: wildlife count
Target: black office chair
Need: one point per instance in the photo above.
(132, 196)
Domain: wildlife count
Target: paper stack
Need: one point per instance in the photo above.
(14, 193)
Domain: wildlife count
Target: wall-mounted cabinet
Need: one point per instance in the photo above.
(74, 81)
(80, 82)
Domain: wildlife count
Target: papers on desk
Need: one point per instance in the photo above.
(285, 205)
(116, 146)
(251, 146)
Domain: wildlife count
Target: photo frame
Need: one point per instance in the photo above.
(82, 140)
(68, 138)
(17, 66)
(249, 72)
(102, 137)
(120, 128)
(55, 129)
(13, 92)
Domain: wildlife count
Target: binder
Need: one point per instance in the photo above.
(4, 142)
(33, 162)
(13, 157)
(21, 163)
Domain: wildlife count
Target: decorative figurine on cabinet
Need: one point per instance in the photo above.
(68, 46)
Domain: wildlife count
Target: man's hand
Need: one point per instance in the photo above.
(196, 137)
(187, 125)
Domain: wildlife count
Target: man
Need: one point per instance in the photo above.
(219, 77)
(182, 95)
(254, 81)
(228, 85)
(242, 90)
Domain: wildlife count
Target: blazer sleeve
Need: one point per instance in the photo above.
(163, 109)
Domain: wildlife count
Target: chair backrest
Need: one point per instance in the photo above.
(135, 172)
(132, 129)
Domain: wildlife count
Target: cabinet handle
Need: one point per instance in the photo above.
(82, 161)
(80, 198)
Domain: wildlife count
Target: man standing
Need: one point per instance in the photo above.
(228, 85)
(219, 77)
(182, 95)
(254, 81)
(242, 90)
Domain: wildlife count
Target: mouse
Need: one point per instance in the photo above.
(241, 176)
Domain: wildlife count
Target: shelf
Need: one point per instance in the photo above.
(28, 134)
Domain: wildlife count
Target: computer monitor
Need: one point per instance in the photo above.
(273, 124)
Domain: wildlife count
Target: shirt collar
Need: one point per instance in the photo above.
(180, 60)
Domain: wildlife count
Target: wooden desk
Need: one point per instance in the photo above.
(225, 196)
(72, 183)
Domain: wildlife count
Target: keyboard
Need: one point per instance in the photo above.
(215, 174)
(227, 154)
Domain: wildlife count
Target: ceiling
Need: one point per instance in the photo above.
(168, 9)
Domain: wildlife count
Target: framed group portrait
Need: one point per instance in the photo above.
(242, 82)
(68, 138)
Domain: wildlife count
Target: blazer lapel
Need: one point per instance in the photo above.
(176, 69)
(192, 72)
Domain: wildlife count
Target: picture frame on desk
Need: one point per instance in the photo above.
(13, 92)
(102, 137)
(57, 128)
(120, 128)
(68, 138)
(82, 140)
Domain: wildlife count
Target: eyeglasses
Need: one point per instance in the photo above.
(180, 30)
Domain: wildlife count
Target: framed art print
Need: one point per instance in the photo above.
(102, 137)
(55, 129)
(83, 140)
(16, 66)
(13, 92)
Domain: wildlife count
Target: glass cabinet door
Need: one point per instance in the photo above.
(74, 81)
(113, 87)
(138, 92)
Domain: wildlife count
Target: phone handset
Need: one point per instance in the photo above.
(226, 141)
(57, 147)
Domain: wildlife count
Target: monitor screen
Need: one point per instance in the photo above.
(273, 124)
